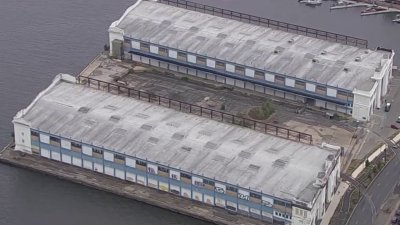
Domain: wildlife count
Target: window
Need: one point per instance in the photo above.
(239, 70)
(321, 88)
(76, 145)
(300, 83)
(141, 163)
(144, 47)
(98, 151)
(201, 60)
(187, 176)
(163, 169)
(182, 56)
(259, 75)
(54, 139)
(209, 182)
(162, 51)
(198, 183)
(254, 195)
(34, 133)
(279, 79)
(220, 65)
(281, 203)
(127, 41)
(233, 189)
(173, 176)
(119, 157)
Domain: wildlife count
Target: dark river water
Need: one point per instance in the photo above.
(41, 38)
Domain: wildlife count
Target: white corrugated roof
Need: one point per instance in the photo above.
(252, 45)
(230, 153)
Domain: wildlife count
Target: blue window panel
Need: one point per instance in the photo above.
(152, 176)
(250, 204)
(203, 190)
(35, 143)
(86, 157)
(97, 160)
(163, 179)
(108, 163)
(114, 165)
(175, 182)
(184, 185)
(71, 153)
(50, 147)
(226, 197)
(131, 170)
(267, 209)
(141, 173)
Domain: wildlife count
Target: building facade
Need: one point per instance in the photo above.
(328, 75)
(36, 133)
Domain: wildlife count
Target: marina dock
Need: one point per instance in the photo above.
(353, 4)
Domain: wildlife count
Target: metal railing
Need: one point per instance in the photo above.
(197, 110)
(310, 32)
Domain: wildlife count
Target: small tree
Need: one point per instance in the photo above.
(367, 163)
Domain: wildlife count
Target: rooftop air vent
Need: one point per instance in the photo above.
(115, 118)
(324, 52)
(119, 131)
(200, 38)
(254, 167)
(314, 60)
(280, 163)
(366, 51)
(244, 154)
(142, 116)
(146, 127)
(186, 148)
(229, 45)
(84, 109)
(357, 59)
(222, 35)
(250, 42)
(211, 145)
(173, 124)
(291, 41)
(166, 23)
(153, 140)
(178, 136)
(346, 69)
(278, 49)
(194, 29)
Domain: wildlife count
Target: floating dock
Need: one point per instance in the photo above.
(349, 4)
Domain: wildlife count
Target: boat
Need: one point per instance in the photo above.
(397, 20)
(311, 2)
(373, 9)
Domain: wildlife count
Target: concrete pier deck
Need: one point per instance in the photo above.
(113, 185)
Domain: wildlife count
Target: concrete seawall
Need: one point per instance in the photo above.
(127, 189)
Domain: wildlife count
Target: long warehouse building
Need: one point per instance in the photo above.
(334, 76)
(224, 165)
